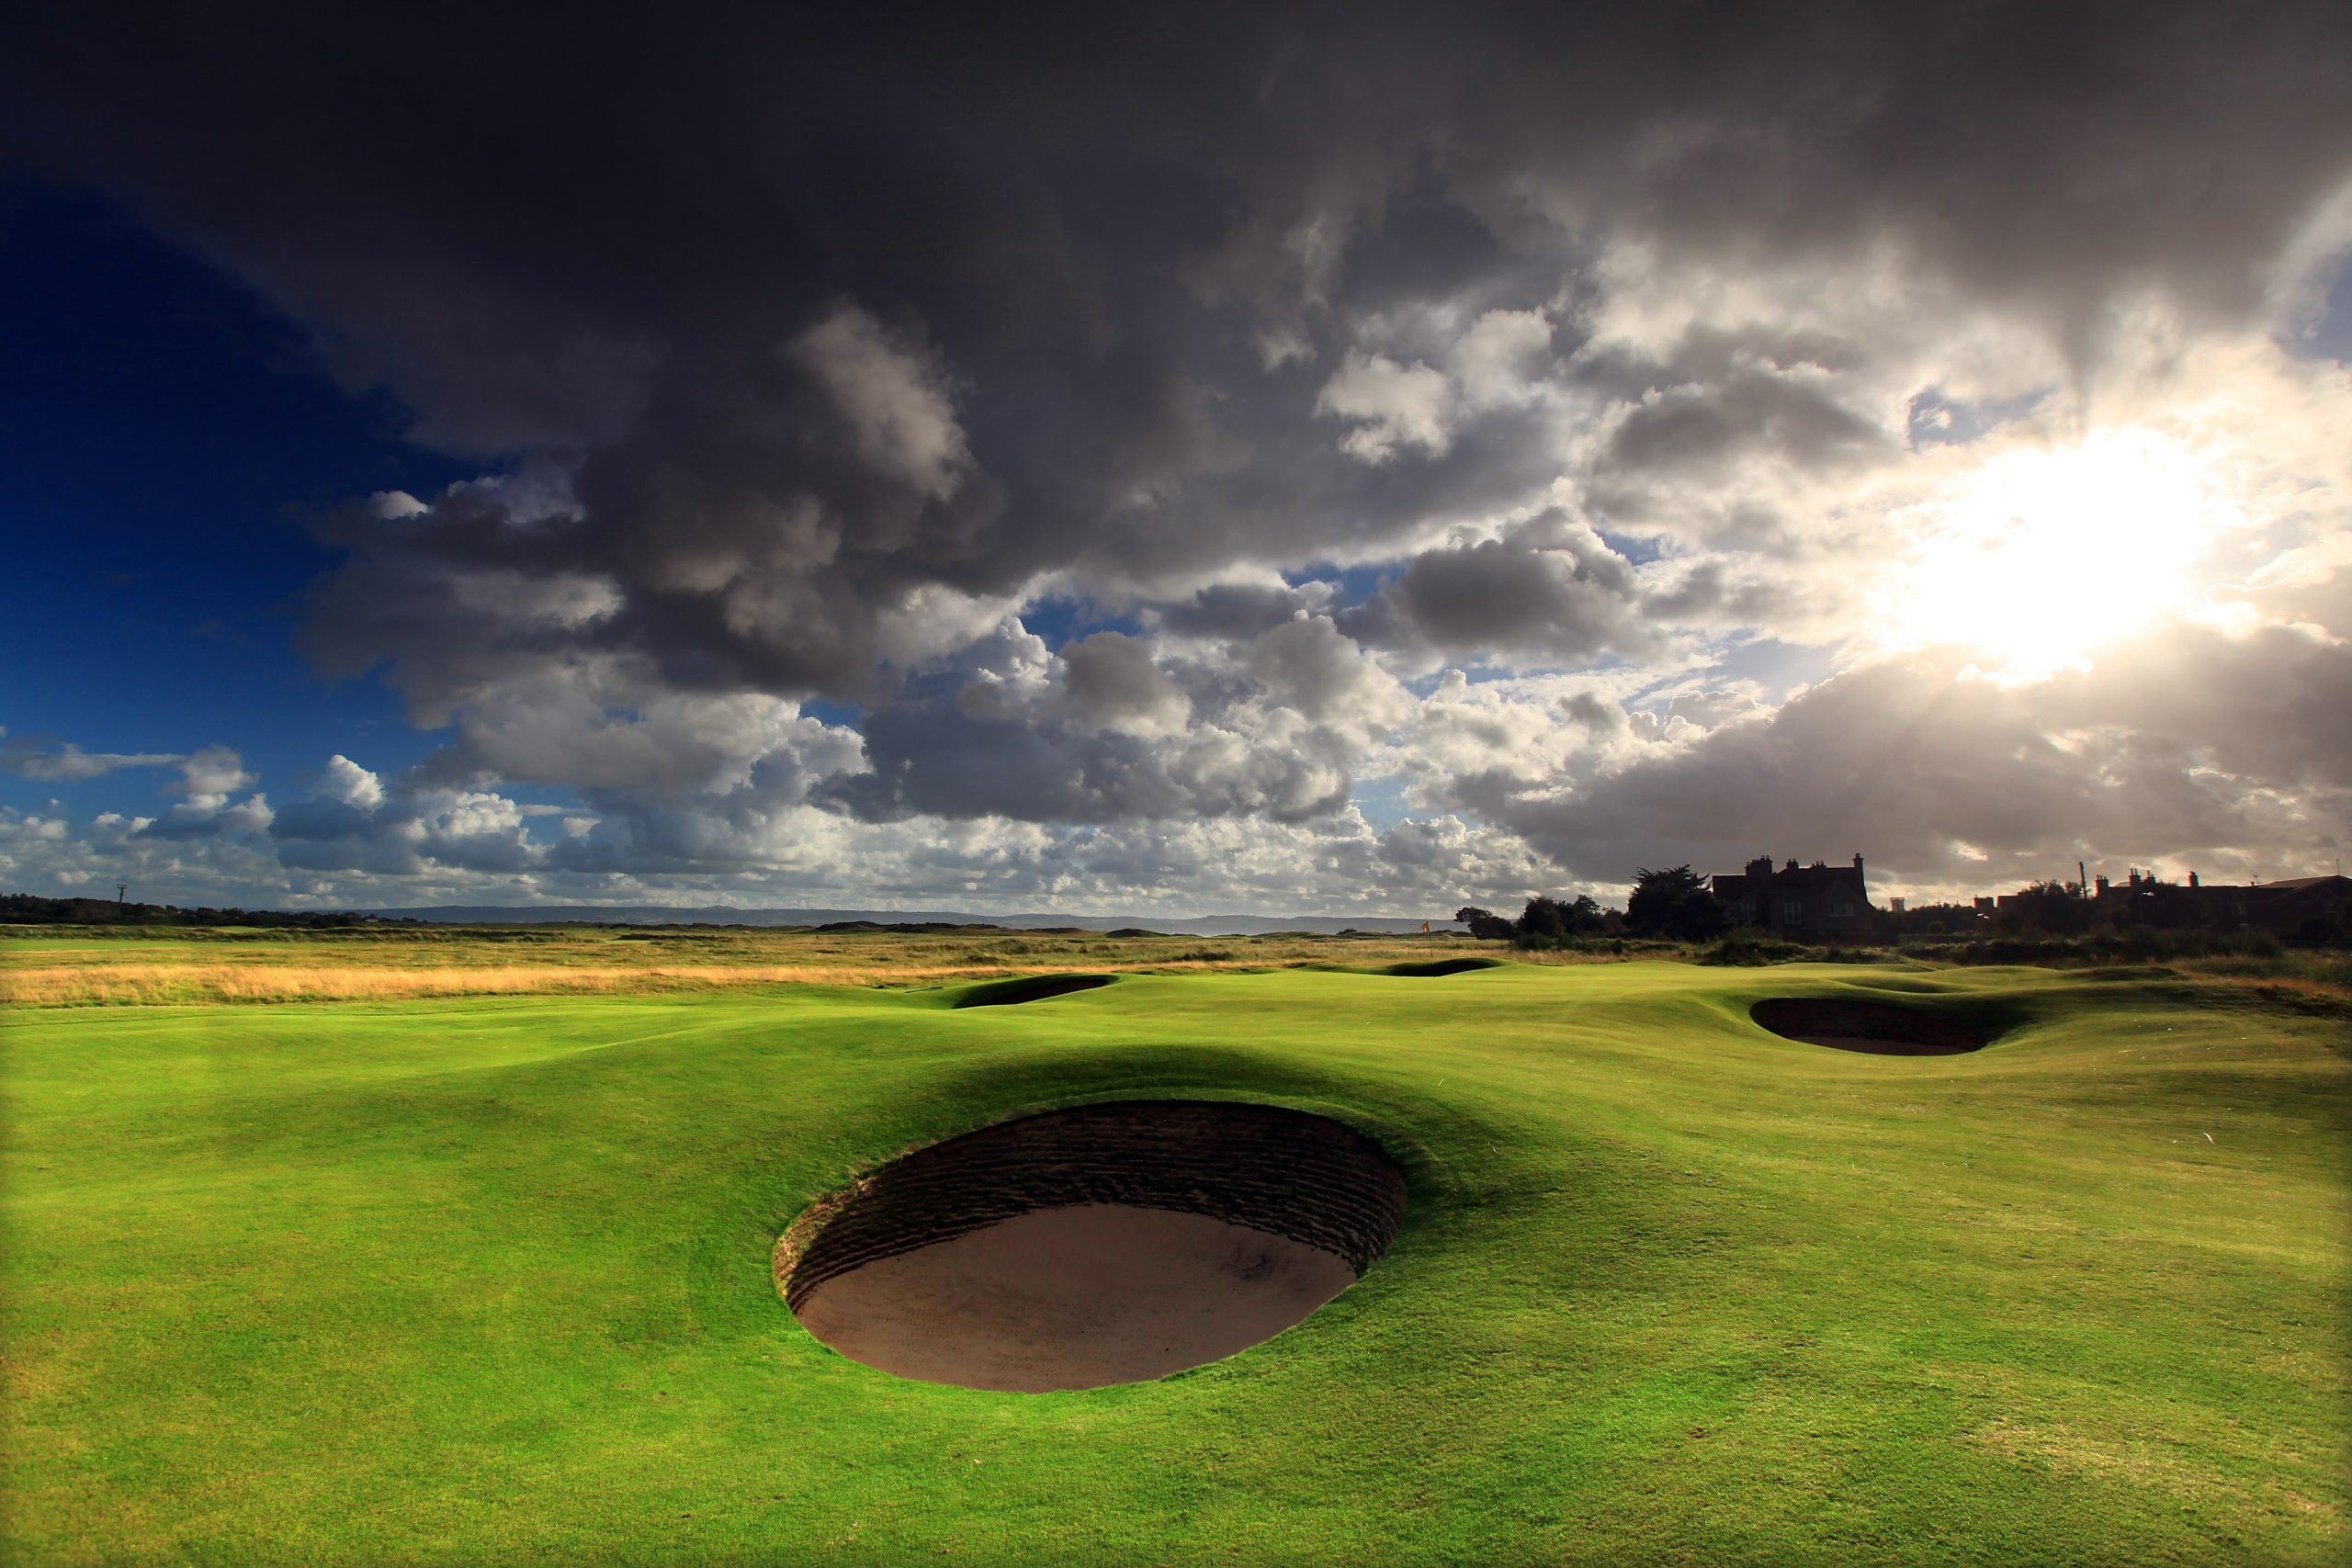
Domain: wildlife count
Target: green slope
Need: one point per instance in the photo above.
(489, 1280)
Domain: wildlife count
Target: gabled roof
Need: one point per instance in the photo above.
(1807, 878)
(1803, 879)
(2302, 884)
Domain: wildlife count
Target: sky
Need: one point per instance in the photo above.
(1237, 459)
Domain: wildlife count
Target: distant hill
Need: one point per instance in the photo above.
(701, 915)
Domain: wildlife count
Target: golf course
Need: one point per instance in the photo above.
(496, 1277)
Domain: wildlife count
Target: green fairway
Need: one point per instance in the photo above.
(489, 1278)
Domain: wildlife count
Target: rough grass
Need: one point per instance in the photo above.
(487, 1279)
(92, 968)
(158, 984)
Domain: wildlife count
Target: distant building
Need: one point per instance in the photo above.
(2061, 908)
(1809, 903)
(2142, 898)
(2286, 906)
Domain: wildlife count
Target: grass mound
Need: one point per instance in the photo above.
(1029, 988)
(1879, 1028)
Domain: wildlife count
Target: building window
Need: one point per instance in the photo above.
(1841, 911)
(1792, 912)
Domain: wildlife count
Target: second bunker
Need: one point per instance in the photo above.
(1104, 1243)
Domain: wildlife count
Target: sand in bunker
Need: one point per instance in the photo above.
(1073, 1297)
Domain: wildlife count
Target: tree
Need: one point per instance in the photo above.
(1543, 921)
(1547, 922)
(1484, 924)
(1659, 894)
(1698, 917)
(1675, 902)
(2054, 906)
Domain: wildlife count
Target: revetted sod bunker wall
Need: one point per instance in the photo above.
(1441, 968)
(1030, 988)
(1875, 1028)
(1285, 1172)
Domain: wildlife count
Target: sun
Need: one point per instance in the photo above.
(2043, 555)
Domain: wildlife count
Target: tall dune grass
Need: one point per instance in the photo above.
(302, 973)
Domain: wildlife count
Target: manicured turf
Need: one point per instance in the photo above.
(488, 1279)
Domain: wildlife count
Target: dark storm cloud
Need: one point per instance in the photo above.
(354, 821)
(796, 346)
(717, 263)
(1234, 611)
(2272, 706)
(1692, 431)
(1914, 758)
(1103, 733)
(934, 759)
(1898, 758)
(1111, 680)
(1548, 591)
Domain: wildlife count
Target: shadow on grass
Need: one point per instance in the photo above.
(1029, 988)
(1878, 1029)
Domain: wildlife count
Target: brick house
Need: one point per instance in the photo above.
(1804, 903)
(2286, 906)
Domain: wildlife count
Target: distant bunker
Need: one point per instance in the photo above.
(1029, 988)
(1879, 1028)
(1439, 968)
(1105, 1243)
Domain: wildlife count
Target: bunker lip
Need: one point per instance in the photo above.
(1029, 988)
(1881, 1029)
(1102, 1244)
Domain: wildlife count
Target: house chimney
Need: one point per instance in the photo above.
(2192, 879)
(2099, 883)
(1792, 865)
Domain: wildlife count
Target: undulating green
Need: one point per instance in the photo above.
(488, 1279)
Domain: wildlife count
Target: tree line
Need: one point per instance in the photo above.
(30, 910)
(1673, 902)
